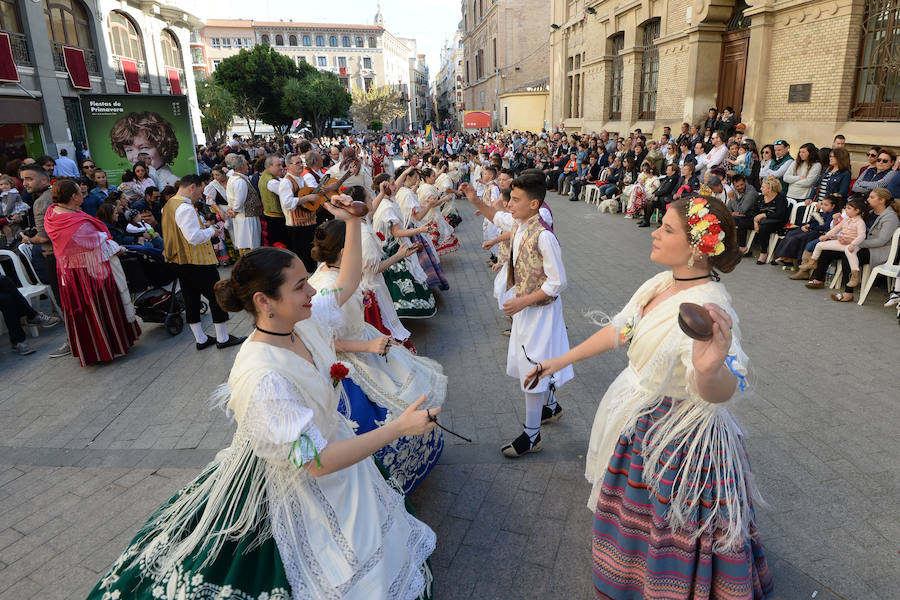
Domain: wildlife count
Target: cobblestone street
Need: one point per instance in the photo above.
(87, 454)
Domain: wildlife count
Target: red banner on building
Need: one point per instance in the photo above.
(174, 81)
(130, 72)
(76, 67)
(8, 71)
(477, 119)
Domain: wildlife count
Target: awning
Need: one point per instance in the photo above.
(130, 72)
(20, 111)
(8, 71)
(76, 67)
(174, 81)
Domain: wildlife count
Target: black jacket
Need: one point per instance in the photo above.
(667, 187)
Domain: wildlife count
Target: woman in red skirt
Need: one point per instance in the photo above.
(100, 320)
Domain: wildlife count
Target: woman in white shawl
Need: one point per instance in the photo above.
(672, 493)
(442, 235)
(295, 507)
(413, 213)
(384, 378)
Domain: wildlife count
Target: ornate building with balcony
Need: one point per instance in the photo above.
(448, 84)
(361, 56)
(40, 114)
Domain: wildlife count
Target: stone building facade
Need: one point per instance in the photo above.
(41, 114)
(449, 83)
(802, 70)
(505, 48)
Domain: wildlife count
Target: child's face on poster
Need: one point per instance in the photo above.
(141, 145)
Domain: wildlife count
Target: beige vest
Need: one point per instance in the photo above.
(526, 273)
(299, 217)
(176, 247)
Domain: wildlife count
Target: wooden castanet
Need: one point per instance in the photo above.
(695, 321)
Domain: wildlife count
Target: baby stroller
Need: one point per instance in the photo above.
(147, 274)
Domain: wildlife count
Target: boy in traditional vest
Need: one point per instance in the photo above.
(536, 272)
(490, 195)
(188, 248)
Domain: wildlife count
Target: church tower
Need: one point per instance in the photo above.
(379, 18)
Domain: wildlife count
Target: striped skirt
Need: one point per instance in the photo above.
(431, 265)
(637, 556)
(98, 330)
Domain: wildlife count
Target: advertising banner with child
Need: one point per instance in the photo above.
(123, 130)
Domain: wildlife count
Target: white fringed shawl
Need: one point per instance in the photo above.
(660, 365)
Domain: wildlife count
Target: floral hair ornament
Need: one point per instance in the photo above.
(704, 230)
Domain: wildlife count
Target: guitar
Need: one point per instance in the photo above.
(323, 196)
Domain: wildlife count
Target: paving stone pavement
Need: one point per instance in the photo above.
(87, 454)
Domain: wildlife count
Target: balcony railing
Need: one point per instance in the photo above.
(90, 59)
(19, 49)
(141, 69)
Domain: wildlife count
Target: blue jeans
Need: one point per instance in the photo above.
(608, 190)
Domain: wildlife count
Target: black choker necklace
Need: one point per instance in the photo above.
(707, 276)
(290, 333)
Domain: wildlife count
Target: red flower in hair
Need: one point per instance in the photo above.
(699, 200)
(715, 228)
(279, 245)
(338, 372)
(380, 235)
(693, 220)
(710, 239)
(711, 218)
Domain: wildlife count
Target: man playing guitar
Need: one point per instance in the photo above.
(301, 223)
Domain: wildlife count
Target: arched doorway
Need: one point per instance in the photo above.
(733, 64)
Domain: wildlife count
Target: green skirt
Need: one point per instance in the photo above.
(411, 298)
(242, 569)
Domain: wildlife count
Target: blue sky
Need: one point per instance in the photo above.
(431, 22)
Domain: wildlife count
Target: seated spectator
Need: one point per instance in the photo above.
(13, 211)
(145, 235)
(88, 168)
(660, 198)
(744, 198)
(98, 194)
(835, 178)
(874, 249)
(742, 163)
(645, 184)
(14, 307)
(152, 199)
(142, 178)
(881, 175)
(614, 174)
(568, 173)
(591, 175)
(768, 216)
(655, 157)
(803, 174)
(47, 163)
(108, 214)
(129, 189)
(689, 184)
(805, 237)
(700, 158)
(871, 159)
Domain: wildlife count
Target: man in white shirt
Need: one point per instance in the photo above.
(300, 224)
(188, 248)
(716, 156)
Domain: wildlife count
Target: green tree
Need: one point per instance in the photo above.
(382, 104)
(255, 79)
(318, 97)
(376, 125)
(217, 109)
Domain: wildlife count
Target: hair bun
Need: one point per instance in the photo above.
(227, 295)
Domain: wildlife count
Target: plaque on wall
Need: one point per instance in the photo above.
(799, 92)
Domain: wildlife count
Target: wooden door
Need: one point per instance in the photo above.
(733, 70)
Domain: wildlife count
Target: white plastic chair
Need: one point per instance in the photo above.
(31, 291)
(888, 269)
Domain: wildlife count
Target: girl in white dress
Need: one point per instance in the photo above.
(295, 507)
(672, 492)
(384, 378)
